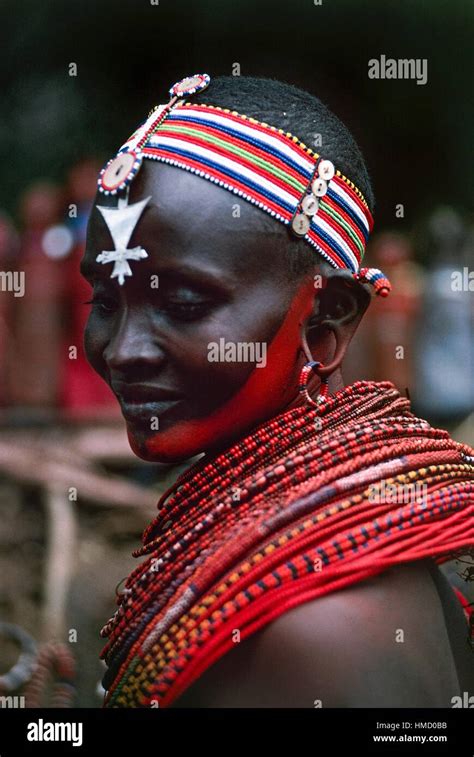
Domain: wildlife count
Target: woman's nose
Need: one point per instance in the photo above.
(133, 344)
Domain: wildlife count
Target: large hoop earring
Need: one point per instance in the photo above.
(313, 365)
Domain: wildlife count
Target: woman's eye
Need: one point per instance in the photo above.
(184, 303)
(187, 310)
(181, 304)
(105, 304)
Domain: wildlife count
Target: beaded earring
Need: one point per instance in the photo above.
(312, 365)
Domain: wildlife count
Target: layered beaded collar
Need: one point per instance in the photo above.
(286, 514)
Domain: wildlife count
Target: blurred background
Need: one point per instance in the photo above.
(76, 79)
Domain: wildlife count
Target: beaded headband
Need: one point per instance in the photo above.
(264, 165)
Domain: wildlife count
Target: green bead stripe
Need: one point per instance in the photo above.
(212, 140)
(342, 222)
(124, 679)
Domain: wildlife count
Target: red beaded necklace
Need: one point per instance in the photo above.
(283, 516)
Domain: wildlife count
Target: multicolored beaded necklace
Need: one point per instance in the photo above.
(284, 516)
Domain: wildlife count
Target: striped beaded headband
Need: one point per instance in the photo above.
(264, 165)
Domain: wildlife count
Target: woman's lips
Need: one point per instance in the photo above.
(146, 411)
(143, 402)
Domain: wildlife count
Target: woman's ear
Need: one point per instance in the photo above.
(338, 309)
(343, 302)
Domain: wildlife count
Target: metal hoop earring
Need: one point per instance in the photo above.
(312, 365)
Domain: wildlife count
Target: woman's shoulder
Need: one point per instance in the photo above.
(384, 642)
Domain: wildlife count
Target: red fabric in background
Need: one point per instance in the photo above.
(83, 393)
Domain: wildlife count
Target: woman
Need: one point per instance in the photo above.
(288, 565)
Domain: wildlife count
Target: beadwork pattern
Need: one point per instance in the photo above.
(266, 166)
(284, 516)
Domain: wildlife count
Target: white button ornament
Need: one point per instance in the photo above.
(300, 224)
(326, 170)
(310, 205)
(319, 187)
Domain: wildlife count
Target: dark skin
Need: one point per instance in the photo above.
(222, 276)
(341, 650)
(137, 333)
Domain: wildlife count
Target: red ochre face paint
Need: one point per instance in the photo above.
(266, 391)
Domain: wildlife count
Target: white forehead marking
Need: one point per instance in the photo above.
(121, 222)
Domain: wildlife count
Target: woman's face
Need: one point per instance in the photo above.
(180, 341)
